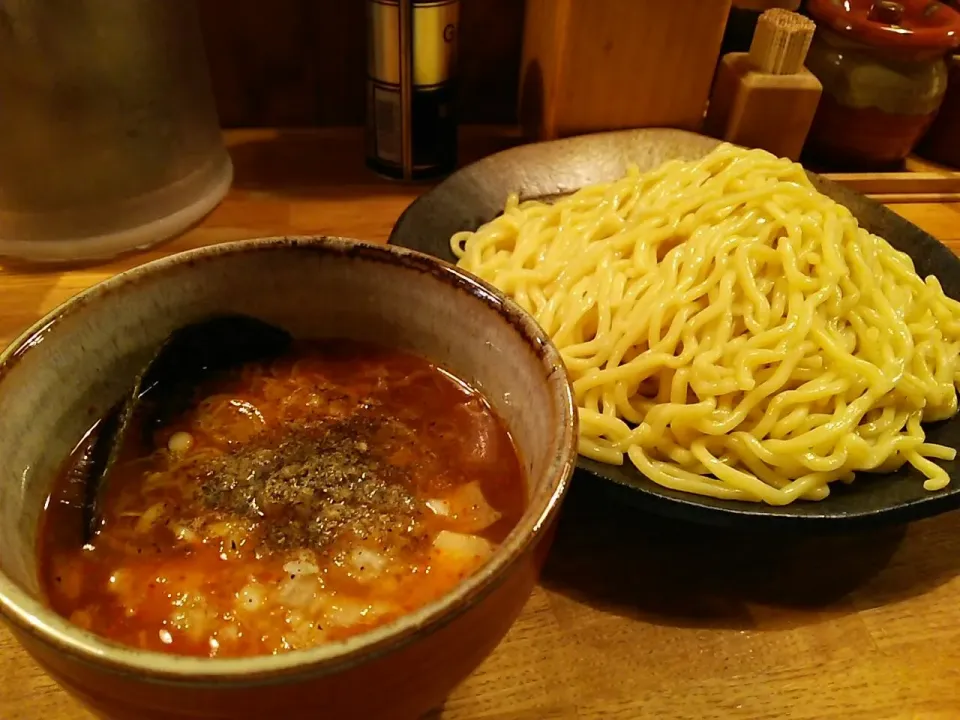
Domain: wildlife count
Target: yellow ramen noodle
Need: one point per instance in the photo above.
(730, 329)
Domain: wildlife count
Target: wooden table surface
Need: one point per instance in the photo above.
(635, 617)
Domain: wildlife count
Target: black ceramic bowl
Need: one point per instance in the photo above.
(476, 194)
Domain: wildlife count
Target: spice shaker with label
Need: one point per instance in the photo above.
(411, 84)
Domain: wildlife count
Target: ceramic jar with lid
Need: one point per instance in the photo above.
(883, 70)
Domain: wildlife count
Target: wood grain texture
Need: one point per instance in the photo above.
(302, 63)
(635, 618)
(591, 65)
(918, 176)
(762, 110)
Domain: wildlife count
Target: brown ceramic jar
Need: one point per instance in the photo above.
(884, 75)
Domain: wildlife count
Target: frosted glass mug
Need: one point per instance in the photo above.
(109, 138)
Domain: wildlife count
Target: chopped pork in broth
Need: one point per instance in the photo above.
(297, 501)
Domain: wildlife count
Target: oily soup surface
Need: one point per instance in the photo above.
(296, 501)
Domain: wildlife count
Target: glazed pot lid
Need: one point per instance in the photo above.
(761, 5)
(923, 25)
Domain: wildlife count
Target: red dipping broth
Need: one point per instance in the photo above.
(294, 502)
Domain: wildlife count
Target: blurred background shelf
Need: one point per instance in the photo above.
(334, 155)
(301, 66)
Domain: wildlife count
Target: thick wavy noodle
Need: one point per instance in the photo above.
(731, 330)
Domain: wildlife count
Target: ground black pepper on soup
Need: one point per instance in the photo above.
(296, 501)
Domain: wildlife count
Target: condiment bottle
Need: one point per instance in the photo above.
(883, 69)
(766, 98)
(411, 75)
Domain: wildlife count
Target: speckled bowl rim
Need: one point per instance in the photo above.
(32, 616)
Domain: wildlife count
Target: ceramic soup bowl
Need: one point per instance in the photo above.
(66, 372)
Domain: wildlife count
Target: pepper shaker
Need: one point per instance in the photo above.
(411, 78)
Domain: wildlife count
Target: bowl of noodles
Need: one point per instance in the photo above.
(748, 342)
(275, 478)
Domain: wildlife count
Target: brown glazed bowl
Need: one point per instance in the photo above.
(66, 371)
